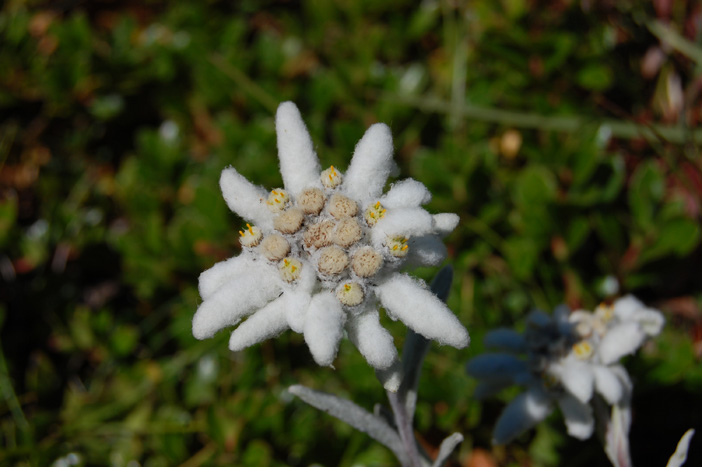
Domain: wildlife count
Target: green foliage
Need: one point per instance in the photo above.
(118, 119)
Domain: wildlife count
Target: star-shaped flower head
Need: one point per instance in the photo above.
(320, 254)
(564, 359)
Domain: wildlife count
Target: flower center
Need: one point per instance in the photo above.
(350, 293)
(374, 213)
(290, 269)
(331, 178)
(278, 200)
(251, 236)
(398, 246)
(583, 350)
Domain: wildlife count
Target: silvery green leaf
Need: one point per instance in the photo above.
(348, 412)
(447, 447)
(680, 455)
(416, 345)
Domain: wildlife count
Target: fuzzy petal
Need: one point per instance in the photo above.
(231, 303)
(626, 307)
(299, 164)
(495, 366)
(297, 298)
(267, 322)
(408, 193)
(297, 304)
(426, 251)
(245, 198)
(421, 310)
(324, 326)
(221, 273)
(505, 339)
(373, 341)
(405, 222)
(525, 411)
(371, 164)
(622, 339)
(651, 321)
(445, 222)
(577, 378)
(578, 417)
(608, 384)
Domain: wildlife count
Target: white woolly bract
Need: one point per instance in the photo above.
(324, 327)
(299, 165)
(445, 223)
(373, 341)
(391, 377)
(297, 302)
(421, 310)
(495, 366)
(245, 198)
(408, 193)
(525, 411)
(426, 251)
(231, 303)
(221, 273)
(406, 222)
(651, 321)
(608, 384)
(577, 378)
(371, 164)
(578, 417)
(626, 307)
(505, 339)
(267, 322)
(622, 339)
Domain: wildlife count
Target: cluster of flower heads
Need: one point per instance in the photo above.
(321, 253)
(564, 359)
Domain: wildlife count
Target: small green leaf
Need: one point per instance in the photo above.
(596, 77)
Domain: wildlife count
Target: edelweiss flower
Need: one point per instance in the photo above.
(319, 254)
(568, 358)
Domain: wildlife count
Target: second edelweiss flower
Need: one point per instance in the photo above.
(566, 360)
(319, 255)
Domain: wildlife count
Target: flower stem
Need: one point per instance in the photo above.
(405, 429)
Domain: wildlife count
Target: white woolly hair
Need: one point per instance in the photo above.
(324, 327)
(623, 339)
(244, 198)
(407, 222)
(299, 164)
(407, 193)
(577, 416)
(421, 310)
(371, 164)
(373, 341)
(445, 223)
(426, 251)
(230, 304)
(577, 378)
(267, 322)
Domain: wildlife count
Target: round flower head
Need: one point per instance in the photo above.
(320, 255)
(567, 357)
